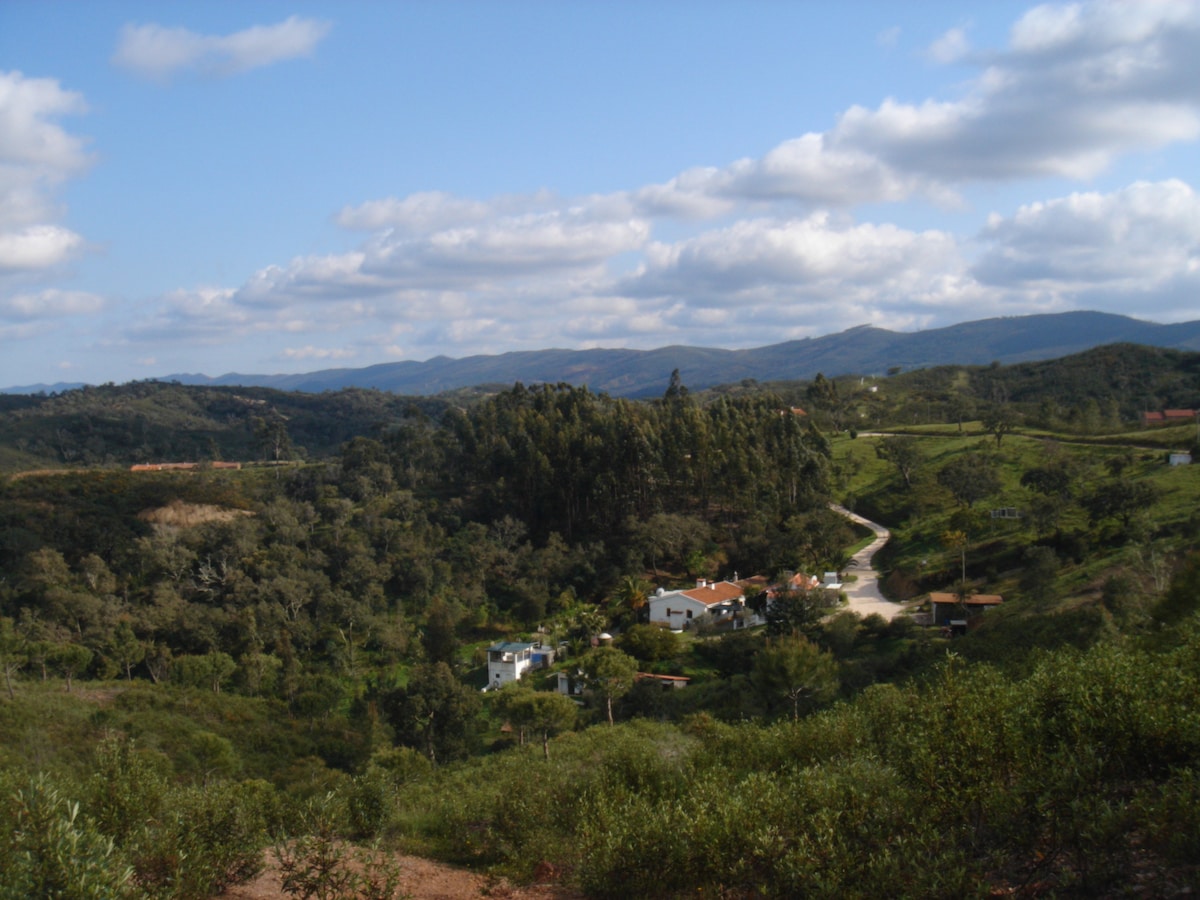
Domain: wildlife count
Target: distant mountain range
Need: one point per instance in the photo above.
(864, 350)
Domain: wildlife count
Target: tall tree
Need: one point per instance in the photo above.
(999, 419)
(797, 610)
(549, 714)
(797, 670)
(71, 659)
(434, 712)
(903, 452)
(969, 478)
(633, 593)
(610, 673)
(125, 648)
(545, 713)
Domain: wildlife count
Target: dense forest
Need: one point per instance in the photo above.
(145, 422)
(294, 649)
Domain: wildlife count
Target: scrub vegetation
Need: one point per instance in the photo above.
(208, 667)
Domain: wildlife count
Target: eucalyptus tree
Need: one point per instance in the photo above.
(610, 673)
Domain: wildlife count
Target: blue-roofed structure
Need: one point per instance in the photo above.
(508, 661)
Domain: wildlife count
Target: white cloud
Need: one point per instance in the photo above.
(422, 212)
(950, 47)
(1078, 87)
(318, 353)
(36, 153)
(430, 211)
(1143, 240)
(1055, 27)
(498, 253)
(49, 304)
(764, 260)
(806, 170)
(763, 249)
(510, 246)
(205, 315)
(155, 51)
(28, 133)
(37, 247)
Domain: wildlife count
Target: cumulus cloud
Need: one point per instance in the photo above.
(506, 247)
(766, 261)
(804, 170)
(36, 153)
(157, 52)
(1078, 86)
(489, 254)
(430, 211)
(1138, 240)
(37, 247)
(766, 248)
(203, 315)
(50, 304)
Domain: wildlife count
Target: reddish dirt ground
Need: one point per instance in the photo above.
(421, 879)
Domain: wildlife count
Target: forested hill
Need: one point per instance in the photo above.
(199, 665)
(146, 422)
(642, 373)
(166, 422)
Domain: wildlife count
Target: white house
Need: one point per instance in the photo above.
(508, 661)
(719, 599)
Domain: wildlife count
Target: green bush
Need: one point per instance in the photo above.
(316, 864)
(207, 841)
(48, 849)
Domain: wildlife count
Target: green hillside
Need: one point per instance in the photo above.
(213, 661)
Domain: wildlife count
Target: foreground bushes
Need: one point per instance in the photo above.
(129, 832)
(134, 834)
(1074, 778)
(1080, 779)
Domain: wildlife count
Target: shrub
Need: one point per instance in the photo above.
(205, 840)
(316, 864)
(48, 849)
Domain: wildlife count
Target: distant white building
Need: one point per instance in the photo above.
(508, 661)
(721, 600)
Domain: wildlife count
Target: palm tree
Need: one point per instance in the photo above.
(633, 593)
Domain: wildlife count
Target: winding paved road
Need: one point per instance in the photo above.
(863, 594)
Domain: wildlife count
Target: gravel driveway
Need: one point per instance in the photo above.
(863, 593)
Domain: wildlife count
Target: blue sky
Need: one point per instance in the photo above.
(271, 187)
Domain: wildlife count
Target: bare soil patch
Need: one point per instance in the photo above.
(177, 514)
(421, 879)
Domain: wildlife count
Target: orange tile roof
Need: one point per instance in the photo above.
(715, 592)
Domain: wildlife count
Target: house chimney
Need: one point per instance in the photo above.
(700, 582)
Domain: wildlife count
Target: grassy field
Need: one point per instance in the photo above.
(1088, 551)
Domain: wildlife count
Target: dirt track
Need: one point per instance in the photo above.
(863, 593)
(421, 879)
